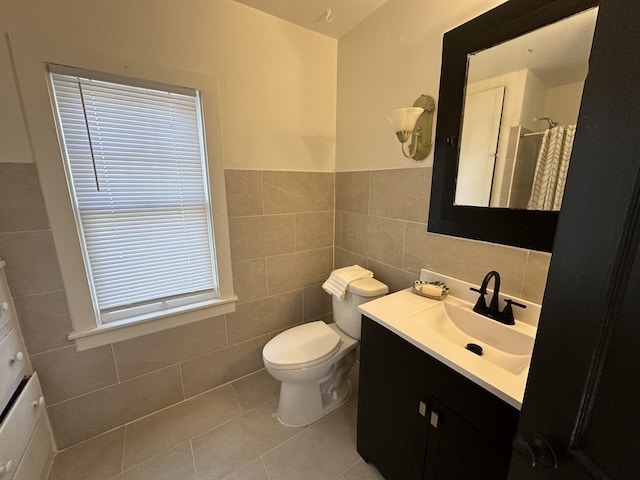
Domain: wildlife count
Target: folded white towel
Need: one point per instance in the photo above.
(340, 279)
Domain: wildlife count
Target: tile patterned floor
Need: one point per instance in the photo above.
(229, 433)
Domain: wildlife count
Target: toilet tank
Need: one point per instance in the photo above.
(345, 312)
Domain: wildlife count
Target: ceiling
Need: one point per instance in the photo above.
(333, 19)
(557, 54)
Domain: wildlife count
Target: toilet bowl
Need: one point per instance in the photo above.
(312, 360)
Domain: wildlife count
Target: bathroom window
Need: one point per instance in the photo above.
(136, 166)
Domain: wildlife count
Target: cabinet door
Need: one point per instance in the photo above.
(391, 431)
(456, 450)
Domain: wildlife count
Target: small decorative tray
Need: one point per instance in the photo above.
(430, 291)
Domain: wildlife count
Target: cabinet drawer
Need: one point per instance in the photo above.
(18, 426)
(13, 364)
(38, 454)
(6, 305)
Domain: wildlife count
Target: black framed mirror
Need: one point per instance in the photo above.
(533, 229)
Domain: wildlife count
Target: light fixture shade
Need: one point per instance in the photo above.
(404, 120)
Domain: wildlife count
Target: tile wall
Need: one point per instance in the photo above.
(282, 245)
(281, 226)
(381, 224)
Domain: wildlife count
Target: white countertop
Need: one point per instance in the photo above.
(393, 311)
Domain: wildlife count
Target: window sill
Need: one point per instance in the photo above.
(150, 323)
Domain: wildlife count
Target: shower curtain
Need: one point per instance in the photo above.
(551, 169)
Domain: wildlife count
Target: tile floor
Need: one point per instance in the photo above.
(228, 433)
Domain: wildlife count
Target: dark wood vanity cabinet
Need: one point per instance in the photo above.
(419, 419)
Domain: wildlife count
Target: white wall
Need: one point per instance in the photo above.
(533, 101)
(277, 80)
(563, 103)
(386, 62)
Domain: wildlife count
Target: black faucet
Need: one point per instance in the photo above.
(493, 310)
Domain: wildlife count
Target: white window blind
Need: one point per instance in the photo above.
(137, 174)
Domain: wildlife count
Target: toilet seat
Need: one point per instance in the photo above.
(302, 346)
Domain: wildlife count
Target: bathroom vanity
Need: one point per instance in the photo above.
(428, 408)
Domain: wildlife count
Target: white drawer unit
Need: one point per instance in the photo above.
(18, 427)
(13, 365)
(36, 458)
(26, 445)
(6, 306)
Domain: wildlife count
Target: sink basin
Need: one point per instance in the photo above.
(502, 345)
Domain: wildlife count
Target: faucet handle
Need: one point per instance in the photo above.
(481, 305)
(507, 313)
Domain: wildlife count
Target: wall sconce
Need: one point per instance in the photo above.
(415, 123)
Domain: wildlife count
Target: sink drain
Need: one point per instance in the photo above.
(475, 348)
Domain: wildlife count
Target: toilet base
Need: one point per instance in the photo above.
(301, 404)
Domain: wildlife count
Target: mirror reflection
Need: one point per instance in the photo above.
(522, 101)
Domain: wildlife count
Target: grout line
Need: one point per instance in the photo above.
(350, 467)
(37, 230)
(295, 239)
(261, 458)
(262, 191)
(404, 243)
(28, 295)
(369, 192)
(226, 332)
(109, 386)
(115, 364)
(235, 396)
(266, 277)
(184, 395)
(50, 351)
(124, 447)
(193, 458)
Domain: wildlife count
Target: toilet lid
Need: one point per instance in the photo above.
(310, 343)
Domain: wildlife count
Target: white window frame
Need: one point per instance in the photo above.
(31, 57)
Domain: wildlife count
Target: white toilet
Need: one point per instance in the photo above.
(312, 360)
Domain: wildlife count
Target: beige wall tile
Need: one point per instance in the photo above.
(256, 389)
(346, 258)
(32, 264)
(257, 237)
(84, 417)
(377, 238)
(395, 278)
(317, 303)
(177, 424)
(403, 194)
(298, 270)
(66, 373)
(214, 369)
(337, 239)
(352, 192)
(44, 320)
(172, 465)
(314, 230)
(99, 458)
(471, 260)
(253, 319)
(416, 247)
(250, 280)
(244, 192)
(288, 192)
(468, 260)
(159, 350)
(231, 446)
(21, 198)
(535, 279)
